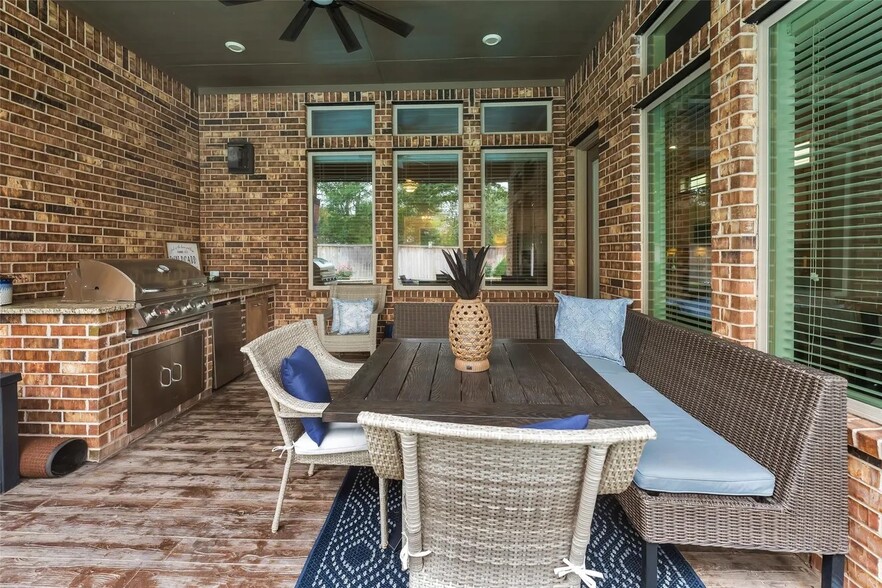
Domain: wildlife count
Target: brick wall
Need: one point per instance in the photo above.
(99, 150)
(257, 226)
(605, 91)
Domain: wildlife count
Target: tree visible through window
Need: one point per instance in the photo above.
(428, 214)
(343, 212)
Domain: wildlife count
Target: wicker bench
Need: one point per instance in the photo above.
(787, 417)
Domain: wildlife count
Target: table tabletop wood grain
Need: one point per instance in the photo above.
(529, 380)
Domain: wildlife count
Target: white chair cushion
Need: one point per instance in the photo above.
(340, 438)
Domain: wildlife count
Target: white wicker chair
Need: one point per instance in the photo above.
(349, 343)
(499, 506)
(266, 354)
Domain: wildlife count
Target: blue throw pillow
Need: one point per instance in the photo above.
(303, 378)
(592, 327)
(577, 422)
(355, 316)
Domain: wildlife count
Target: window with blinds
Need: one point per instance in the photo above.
(342, 228)
(515, 215)
(428, 214)
(826, 190)
(679, 238)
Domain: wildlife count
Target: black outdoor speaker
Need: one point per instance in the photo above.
(240, 157)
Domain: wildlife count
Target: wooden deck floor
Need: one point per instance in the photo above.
(191, 505)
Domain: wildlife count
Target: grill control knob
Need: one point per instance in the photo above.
(151, 315)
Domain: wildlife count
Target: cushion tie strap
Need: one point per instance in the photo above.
(406, 553)
(284, 449)
(584, 574)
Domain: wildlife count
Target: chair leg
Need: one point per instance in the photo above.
(311, 470)
(833, 571)
(650, 565)
(282, 489)
(384, 516)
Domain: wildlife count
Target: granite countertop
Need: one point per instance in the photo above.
(59, 306)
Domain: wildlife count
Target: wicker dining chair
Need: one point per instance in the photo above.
(350, 343)
(499, 506)
(266, 354)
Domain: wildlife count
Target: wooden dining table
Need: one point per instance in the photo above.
(529, 380)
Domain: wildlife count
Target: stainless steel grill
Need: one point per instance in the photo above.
(164, 292)
(324, 272)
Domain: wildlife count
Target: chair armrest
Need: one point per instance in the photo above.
(320, 325)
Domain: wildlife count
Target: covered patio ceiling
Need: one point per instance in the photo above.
(541, 41)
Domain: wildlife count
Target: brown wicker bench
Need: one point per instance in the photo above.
(787, 417)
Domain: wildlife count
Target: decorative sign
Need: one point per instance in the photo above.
(185, 251)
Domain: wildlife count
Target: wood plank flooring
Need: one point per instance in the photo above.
(191, 505)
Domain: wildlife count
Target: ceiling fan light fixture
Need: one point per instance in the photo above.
(235, 46)
(492, 39)
(323, 2)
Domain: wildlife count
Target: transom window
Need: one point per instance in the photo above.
(342, 215)
(516, 214)
(516, 117)
(427, 119)
(340, 121)
(673, 29)
(428, 214)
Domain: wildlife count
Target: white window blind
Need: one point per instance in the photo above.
(678, 172)
(343, 214)
(428, 214)
(826, 190)
(515, 214)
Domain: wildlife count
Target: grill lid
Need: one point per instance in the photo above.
(132, 280)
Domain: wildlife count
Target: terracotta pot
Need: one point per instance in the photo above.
(471, 335)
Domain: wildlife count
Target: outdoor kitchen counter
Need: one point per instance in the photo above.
(58, 306)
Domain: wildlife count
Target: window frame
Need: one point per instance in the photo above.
(764, 243)
(311, 195)
(549, 153)
(310, 108)
(509, 103)
(645, 35)
(396, 283)
(426, 106)
(644, 187)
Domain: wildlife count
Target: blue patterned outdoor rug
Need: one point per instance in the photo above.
(347, 551)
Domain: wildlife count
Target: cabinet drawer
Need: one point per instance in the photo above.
(256, 317)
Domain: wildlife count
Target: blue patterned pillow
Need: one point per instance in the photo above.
(335, 314)
(354, 316)
(592, 327)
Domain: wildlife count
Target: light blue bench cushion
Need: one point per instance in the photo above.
(687, 456)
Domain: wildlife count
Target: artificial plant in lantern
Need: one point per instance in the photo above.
(469, 328)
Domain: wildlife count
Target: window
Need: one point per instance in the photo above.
(516, 214)
(825, 181)
(516, 117)
(428, 119)
(677, 134)
(342, 215)
(428, 214)
(673, 30)
(340, 121)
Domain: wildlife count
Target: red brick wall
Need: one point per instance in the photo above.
(98, 149)
(606, 90)
(257, 226)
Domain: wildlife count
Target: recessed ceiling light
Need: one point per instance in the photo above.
(234, 46)
(492, 39)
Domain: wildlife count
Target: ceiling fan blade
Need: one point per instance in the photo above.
(350, 42)
(396, 25)
(296, 27)
(236, 2)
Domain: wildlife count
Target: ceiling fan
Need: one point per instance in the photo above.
(333, 7)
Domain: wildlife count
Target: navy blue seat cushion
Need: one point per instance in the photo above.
(303, 378)
(570, 423)
(687, 456)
